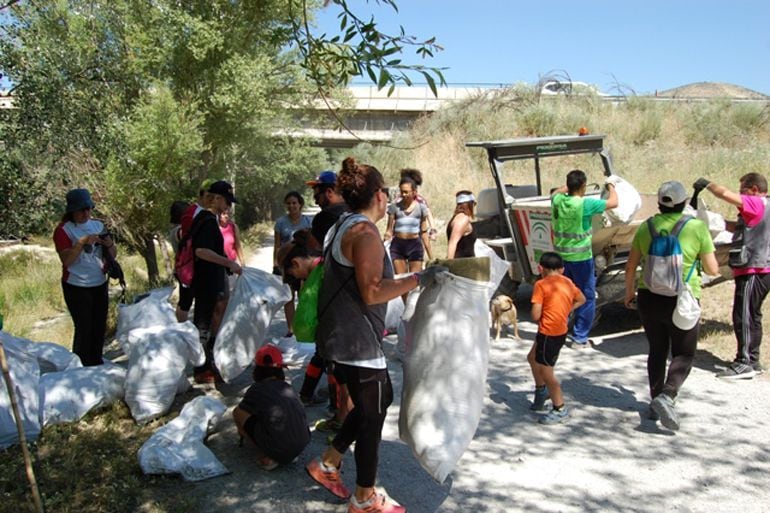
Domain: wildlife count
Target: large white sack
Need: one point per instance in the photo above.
(177, 447)
(294, 352)
(498, 267)
(157, 360)
(153, 310)
(629, 202)
(445, 372)
(25, 374)
(404, 331)
(393, 313)
(257, 297)
(50, 357)
(67, 395)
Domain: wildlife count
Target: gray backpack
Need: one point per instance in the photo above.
(663, 271)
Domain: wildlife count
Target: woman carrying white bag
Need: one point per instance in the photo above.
(667, 323)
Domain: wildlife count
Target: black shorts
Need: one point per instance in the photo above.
(547, 348)
(406, 249)
(186, 296)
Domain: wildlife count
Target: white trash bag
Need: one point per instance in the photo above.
(153, 310)
(157, 361)
(629, 202)
(445, 372)
(294, 352)
(50, 357)
(25, 375)
(393, 314)
(404, 331)
(66, 396)
(177, 447)
(257, 297)
(498, 267)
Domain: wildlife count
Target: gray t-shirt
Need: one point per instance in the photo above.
(408, 222)
(286, 229)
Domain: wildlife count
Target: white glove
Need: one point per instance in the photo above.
(613, 179)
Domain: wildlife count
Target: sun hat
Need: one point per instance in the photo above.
(269, 356)
(324, 178)
(672, 193)
(78, 199)
(223, 189)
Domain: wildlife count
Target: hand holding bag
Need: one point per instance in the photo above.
(687, 311)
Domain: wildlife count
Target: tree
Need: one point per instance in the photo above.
(124, 94)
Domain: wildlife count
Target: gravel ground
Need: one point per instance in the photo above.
(608, 457)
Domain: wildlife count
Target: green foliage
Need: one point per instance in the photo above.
(722, 122)
(538, 120)
(361, 50)
(162, 141)
(649, 127)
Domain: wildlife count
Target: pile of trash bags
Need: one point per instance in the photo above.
(52, 386)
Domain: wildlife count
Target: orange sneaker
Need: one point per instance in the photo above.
(328, 477)
(377, 503)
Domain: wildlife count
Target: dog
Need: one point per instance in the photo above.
(504, 314)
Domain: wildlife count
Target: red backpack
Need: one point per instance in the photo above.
(184, 264)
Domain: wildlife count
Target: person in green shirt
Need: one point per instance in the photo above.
(571, 214)
(656, 310)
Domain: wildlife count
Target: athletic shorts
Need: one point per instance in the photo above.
(406, 249)
(547, 348)
(186, 296)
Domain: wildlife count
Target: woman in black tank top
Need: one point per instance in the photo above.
(459, 231)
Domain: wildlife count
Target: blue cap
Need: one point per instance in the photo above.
(324, 178)
(78, 199)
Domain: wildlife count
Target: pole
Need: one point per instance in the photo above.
(22, 439)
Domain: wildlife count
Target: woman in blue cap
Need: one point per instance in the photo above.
(81, 243)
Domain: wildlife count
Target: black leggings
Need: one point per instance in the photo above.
(371, 393)
(656, 312)
(88, 308)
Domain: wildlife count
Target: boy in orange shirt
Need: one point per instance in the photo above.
(553, 298)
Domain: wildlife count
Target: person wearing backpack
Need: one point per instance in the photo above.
(673, 269)
(750, 262)
(572, 215)
(209, 282)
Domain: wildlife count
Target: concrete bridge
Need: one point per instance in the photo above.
(373, 116)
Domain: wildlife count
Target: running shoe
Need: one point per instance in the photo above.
(555, 416)
(738, 370)
(328, 477)
(541, 396)
(663, 405)
(377, 503)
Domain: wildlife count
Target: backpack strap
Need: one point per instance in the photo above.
(651, 228)
(679, 225)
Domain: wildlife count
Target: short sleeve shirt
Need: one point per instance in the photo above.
(325, 219)
(206, 235)
(88, 268)
(408, 222)
(592, 207)
(694, 239)
(281, 425)
(557, 294)
(285, 228)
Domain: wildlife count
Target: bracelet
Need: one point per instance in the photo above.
(416, 277)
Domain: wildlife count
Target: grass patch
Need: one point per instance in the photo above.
(91, 466)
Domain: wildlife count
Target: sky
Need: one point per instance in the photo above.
(643, 46)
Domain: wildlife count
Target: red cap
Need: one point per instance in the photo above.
(269, 356)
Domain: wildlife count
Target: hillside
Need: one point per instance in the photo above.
(713, 90)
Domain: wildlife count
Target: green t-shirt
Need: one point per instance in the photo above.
(694, 239)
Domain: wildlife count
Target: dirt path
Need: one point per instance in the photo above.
(608, 457)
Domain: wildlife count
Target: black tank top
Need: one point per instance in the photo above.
(465, 244)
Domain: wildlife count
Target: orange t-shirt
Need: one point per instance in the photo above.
(557, 294)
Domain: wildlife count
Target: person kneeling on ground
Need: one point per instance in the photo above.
(270, 414)
(553, 298)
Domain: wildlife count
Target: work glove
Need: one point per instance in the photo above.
(613, 179)
(428, 276)
(700, 184)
